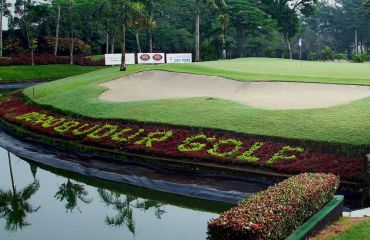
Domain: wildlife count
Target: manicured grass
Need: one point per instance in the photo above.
(341, 124)
(359, 231)
(42, 72)
(271, 69)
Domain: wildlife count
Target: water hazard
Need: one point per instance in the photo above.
(38, 202)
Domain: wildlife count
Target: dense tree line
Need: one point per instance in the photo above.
(211, 29)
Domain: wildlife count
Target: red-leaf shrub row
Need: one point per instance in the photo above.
(277, 212)
(45, 59)
(180, 143)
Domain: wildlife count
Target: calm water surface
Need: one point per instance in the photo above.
(41, 203)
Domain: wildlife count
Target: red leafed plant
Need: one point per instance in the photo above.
(211, 146)
(276, 212)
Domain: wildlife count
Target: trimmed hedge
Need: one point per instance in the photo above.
(276, 212)
(46, 59)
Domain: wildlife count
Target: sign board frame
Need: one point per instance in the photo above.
(179, 58)
(151, 58)
(115, 59)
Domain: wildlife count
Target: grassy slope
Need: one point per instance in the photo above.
(359, 231)
(345, 124)
(277, 69)
(43, 72)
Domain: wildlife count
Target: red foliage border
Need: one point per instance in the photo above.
(348, 168)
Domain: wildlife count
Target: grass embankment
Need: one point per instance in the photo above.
(346, 228)
(341, 124)
(42, 72)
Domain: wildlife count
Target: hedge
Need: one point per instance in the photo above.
(46, 59)
(276, 212)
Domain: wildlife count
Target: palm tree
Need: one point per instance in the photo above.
(137, 21)
(124, 206)
(224, 21)
(72, 192)
(14, 205)
(216, 4)
(151, 23)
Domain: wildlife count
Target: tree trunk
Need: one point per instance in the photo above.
(150, 41)
(32, 57)
(1, 27)
(72, 40)
(223, 52)
(197, 30)
(123, 47)
(138, 42)
(57, 33)
(71, 50)
(11, 173)
(288, 45)
(107, 44)
(113, 45)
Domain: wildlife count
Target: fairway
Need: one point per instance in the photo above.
(43, 72)
(346, 123)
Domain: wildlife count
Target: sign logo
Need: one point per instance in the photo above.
(157, 57)
(145, 57)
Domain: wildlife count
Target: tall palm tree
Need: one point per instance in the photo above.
(124, 10)
(14, 204)
(72, 192)
(224, 21)
(214, 3)
(137, 21)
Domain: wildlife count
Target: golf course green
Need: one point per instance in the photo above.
(347, 123)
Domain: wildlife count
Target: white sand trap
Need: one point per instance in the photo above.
(154, 85)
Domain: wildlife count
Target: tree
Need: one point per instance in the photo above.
(14, 204)
(28, 15)
(248, 20)
(286, 13)
(224, 21)
(216, 4)
(137, 21)
(4, 11)
(125, 11)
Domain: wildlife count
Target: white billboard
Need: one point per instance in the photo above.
(115, 59)
(150, 58)
(179, 58)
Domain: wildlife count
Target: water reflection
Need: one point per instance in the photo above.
(31, 195)
(14, 204)
(72, 192)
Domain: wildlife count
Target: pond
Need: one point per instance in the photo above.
(45, 203)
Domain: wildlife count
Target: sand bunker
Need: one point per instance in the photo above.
(153, 85)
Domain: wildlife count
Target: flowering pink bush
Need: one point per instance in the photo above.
(276, 212)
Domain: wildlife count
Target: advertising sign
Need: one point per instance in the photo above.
(115, 59)
(179, 58)
(150, 58)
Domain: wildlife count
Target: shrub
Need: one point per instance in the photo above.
(360, 58)
(45, 59)
(341, 56)
(327, 54)
(312, 56)
(276, 212)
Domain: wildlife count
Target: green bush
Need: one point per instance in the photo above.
(327, 54)
(312, 56)
(341, 56)
(360, 58)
